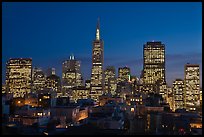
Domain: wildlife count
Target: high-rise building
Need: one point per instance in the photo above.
(97, 77)
(110, 80)
(124, 74)
(192, 87)
(178, 94)
(38, 79)
(53, 82)
(18, 76)
(71, 74)
(153, 66)
(50, 71)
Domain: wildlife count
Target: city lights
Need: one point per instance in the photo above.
(61, 78)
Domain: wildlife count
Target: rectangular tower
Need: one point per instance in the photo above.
(153, 65)
(109, 79)
(178, 94)
(71, 73)
(192, 87)
(18, 76)
(38, 79)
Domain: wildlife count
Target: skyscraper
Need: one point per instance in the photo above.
(71, 73)
(123, 74)
(153, 65)
(192, 87)
(18, 76)
(110, 80)
(97, 77)
(38, 79)
(53, 82)
(178, 94)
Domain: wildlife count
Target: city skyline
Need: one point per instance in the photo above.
(80, 31)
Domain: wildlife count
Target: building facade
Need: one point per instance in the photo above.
(192, 87)
(123, 74)
(71, 73)
(18, 76)
(97, 76)
(79, 93)
(38, 79)
(110, 80)
(178, 94)
(153, 65)
(53, 82)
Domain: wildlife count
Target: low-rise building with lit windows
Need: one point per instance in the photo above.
(79, 93)
(68, 115)
(31, 99)
(47, 98)
(104, 99)
(136, 99)
(18, 102)
(31, 115)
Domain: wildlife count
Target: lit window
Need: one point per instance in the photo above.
(39, 114)
(132, 109)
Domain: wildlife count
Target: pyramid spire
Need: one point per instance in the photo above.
(98, 30)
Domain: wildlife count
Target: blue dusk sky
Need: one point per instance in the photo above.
(49, 32)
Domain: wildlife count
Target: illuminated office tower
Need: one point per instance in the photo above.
(71, 74)
(192, 87)
(97, 77)
(18, 76)
(109, 81)
(153, 66)
(53, 82)
(38, 79)
(123, 74)
(178, 94)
